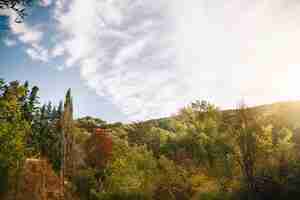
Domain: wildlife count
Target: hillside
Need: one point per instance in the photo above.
(202, 153)
(289, 111)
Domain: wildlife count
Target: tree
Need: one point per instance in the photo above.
(98, 149)
(60, 109)
(89, 123)
(68, 136)
(32, 104)
(172, 181)
(131, 171)
(253, 141)
(137, 133)
(18, 6)
(201, 121)
(13, 130)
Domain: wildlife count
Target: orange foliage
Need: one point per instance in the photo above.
(98, 148)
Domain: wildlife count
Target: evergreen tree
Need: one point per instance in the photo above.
(60, 109)
(53, 114)
(17, 6)
(33, 98)
(68, 137)
(31, 104)
(48, 110)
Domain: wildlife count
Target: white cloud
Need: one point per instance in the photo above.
(58, 51)
(131, 51)
(38, 53)
(31, 36)
(45, 3)
(151, 58)
(25, 33)
(124, 53)
(60, 68)
(9, 42)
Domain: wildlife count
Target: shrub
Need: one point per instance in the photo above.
(215, 196)
(123, 196)
(3, 180)
(85, 182)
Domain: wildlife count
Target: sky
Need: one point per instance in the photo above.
(129, 60)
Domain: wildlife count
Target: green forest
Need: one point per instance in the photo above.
(200, 153)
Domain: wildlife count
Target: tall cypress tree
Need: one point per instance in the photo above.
(68, 138)
(60, 109)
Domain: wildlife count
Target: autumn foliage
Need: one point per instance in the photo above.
(98, 148)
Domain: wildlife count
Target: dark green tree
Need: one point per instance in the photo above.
(18, 6)
(68, 136)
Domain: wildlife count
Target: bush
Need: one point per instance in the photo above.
(3, 181)
(85, 182)
(123, 196)
(215, 196)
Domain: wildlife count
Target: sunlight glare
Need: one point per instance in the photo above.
(293, 82)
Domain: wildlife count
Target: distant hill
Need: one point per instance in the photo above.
(288, 111)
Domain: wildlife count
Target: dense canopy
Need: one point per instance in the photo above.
(200, 153)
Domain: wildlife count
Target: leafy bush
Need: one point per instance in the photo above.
(215, 196)
(84, 183)
(3, 180)
(123, 196)
(131, 170)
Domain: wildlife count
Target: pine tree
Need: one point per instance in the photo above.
(53, 113)
(43, 112)
(31, 104)
(33, 98)
(26, 88)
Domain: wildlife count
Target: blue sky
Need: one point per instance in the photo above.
(140, 59)
(53, 83)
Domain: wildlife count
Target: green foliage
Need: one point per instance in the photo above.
(4, 176)
(89, 123)
(122, 196)
(84, 181)
(13, 128)
(131, 169)
(13, 131)
(172, 181)
(215, 196)
(202, 131)
(201, 153)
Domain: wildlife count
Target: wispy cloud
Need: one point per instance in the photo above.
(38, 53)
(31, 36)
(124, 52)
(45, 3)
(151, 58)
(9, 42)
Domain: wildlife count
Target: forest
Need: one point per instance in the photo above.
(200, 153)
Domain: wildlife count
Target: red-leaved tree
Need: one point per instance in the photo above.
(98, 149)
